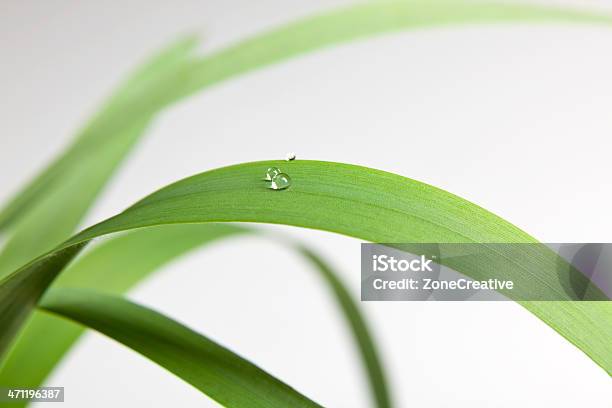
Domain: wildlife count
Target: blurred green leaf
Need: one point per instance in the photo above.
(47, 210)
(123, 103)
(361, 334)
(216, 371)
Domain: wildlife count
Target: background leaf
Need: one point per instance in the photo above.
(361, 334)
(50, 208)
(121, 103)
(118, 264)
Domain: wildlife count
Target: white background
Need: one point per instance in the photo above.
(515, 118)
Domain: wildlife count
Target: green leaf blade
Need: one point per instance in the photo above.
(356, 201)
(216, 371)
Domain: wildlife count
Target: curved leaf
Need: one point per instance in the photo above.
(216, 371)
(48, 209)
(151, 75)
(356, 201)
(118, 264)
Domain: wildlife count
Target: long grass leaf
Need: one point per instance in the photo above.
(216, 371)
(356, 201)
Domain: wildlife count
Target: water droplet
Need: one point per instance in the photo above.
(290, 156)
(280, 182)
(271, 173)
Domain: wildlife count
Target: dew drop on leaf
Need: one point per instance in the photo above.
(280, 182)
(271, 173)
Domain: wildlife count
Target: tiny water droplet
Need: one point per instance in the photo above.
(271, 173)
(280, 182)
(290, 156)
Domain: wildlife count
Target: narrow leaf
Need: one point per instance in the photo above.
(216, 371)
(356, 201)
(361, 333)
